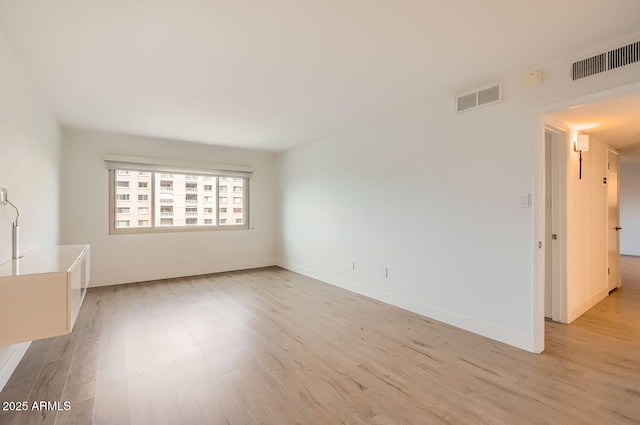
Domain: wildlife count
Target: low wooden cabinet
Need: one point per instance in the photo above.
(41, 293)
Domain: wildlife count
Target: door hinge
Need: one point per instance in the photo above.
(539, 244)
(608, 270)
(604, 180)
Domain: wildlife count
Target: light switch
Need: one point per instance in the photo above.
(525, 200)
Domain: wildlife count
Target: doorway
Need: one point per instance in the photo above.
(613, 213)
(611, 123)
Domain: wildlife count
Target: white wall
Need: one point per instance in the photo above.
(630, 208)
(586, 229)
(30, 166)
(131, 258)
(433, 196)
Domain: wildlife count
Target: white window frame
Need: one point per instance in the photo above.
(159, 166)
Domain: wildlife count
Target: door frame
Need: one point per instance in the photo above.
(538, 322)
(561, 139)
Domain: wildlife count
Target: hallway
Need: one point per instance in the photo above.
(603, 346)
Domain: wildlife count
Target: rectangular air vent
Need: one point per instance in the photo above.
(606, 61)
(488, 96)
(478, 98)
(468, 101)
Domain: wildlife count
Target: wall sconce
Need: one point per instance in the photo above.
(581, 144)
(15, 247)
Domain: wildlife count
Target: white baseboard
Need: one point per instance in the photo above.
(588, 304)
(10, 365)
(507, 336)
(148, 275)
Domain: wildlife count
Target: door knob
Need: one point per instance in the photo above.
(618, 228)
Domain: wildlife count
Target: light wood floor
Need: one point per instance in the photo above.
(273, 347)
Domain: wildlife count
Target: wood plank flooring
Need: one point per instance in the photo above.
(270, 346)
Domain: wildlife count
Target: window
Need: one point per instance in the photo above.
(122, 172)
(175, 201)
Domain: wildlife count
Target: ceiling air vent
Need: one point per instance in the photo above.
(478, 98)
(606, 61)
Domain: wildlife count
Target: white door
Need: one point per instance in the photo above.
(613, 213)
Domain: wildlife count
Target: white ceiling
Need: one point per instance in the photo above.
(273, 74)
(615, 122)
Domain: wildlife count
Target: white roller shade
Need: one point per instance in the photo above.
(119, 162)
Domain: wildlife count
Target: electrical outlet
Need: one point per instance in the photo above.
(3, 196)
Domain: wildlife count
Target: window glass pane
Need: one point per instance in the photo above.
(131, 207)
(233, 206)
(180, 200)
(159, 199)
